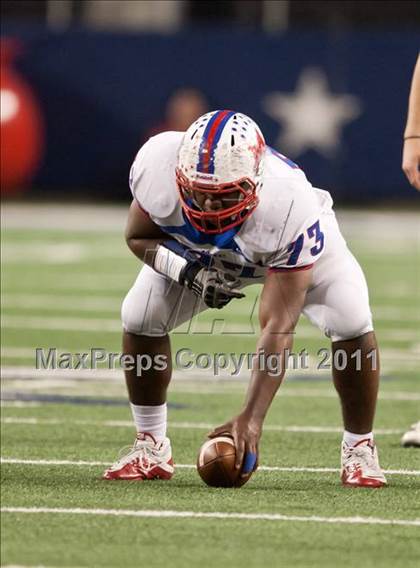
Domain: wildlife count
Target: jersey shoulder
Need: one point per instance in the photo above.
(152, 175)
(288, 206)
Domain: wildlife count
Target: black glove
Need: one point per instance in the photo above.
(217, 288)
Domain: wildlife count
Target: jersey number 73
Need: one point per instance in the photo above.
(295, 248)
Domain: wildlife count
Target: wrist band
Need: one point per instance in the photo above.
(169, 263)
(409, 137)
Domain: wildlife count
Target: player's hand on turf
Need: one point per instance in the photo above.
(215, 287)
(246, 434)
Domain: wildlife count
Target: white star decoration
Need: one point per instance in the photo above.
(312, 117)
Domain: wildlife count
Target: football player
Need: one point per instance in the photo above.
(214, 211)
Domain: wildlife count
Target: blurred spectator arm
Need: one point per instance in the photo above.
(411, 150)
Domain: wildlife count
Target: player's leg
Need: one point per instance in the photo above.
(147, 386)
(338, 303)
(153, 307)
(357, 382)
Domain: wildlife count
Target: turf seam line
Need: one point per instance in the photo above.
(18, 461)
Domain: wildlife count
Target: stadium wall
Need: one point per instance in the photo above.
(100, 92)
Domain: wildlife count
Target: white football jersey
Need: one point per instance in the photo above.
(285, 232)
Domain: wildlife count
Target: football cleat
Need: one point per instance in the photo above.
(412, 437)
(360, 466)
(147, 459)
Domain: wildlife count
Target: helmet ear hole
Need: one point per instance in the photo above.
(232, 140)
(246, 185)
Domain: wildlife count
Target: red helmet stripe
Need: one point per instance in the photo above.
(209, 139)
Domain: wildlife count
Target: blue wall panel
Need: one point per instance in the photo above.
(100, 92)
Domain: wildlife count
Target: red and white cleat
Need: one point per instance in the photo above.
(360, 466)
(147, 459)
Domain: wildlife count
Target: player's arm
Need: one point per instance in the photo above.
(142, 235)
(281, 304)
(176, 261)
(411, 151)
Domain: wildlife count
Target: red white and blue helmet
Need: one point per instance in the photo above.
(221, 153)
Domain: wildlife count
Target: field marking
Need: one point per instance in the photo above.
(19, 404)
(187, 382)
(103, 325)
(199, 389)
(83, 282)
(292, 393)
(44, 252)
(51, 216)
(31, 566)
(17, 461)
(33, 421)
(113, 304)
(66, 303)
(392, 358)
(145, 513)
(62, 324)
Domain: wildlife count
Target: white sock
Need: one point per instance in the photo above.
(151, 419)
(352, 439)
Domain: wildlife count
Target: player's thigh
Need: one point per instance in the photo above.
(338, 301)
(155, 305)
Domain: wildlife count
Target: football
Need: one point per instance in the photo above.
(216, 463)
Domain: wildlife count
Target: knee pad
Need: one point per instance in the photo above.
(141, 316)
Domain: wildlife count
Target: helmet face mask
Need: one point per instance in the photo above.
(219, 170)
(242, 193)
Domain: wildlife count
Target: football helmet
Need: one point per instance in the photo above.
(221, 157)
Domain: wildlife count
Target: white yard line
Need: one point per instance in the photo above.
(45, 253)
(84, 282)
(19, 404)
(64, 303)
(64, 217)
(22, 566)
(94, 217)
(18, 461)
(211, 515)
(64, 324)
(185, 425)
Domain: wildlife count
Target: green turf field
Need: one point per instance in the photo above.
(62, 285)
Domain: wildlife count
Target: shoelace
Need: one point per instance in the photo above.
(140, 450)
(365, 454)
